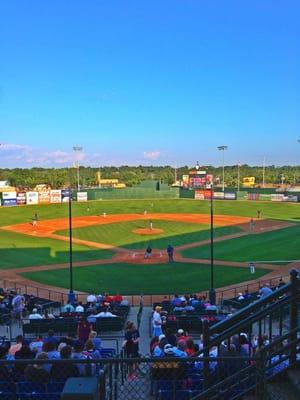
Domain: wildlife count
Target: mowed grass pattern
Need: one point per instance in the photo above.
(18, 251)
(21, 214)
(282, 244)
(121, 234)
(144, 279)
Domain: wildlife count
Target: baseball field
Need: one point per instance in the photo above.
(110, 238)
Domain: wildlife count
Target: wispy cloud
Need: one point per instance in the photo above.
(25, 155)
(152, 155)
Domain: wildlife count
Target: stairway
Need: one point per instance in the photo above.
(285, 387)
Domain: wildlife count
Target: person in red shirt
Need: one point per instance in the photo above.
(118, 298)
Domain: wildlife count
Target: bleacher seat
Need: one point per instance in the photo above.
(174, 395)
(109, 324)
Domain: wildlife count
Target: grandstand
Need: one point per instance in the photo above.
(242, 349)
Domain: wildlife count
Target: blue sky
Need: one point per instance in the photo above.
(149, 82)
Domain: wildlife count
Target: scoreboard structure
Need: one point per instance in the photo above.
(197, 179)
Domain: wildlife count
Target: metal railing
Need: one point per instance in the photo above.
(134, 300)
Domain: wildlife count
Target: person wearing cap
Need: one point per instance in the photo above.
(157, 322)
(181, 336)
(35, 314)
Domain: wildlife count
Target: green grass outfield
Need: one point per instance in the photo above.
(283, 244)
(120, 233)
(20, 214)
(17, 251)
(144, 279)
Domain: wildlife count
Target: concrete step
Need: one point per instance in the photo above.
(294, 378)
(282, 391)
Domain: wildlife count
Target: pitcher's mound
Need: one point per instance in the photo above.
(147, 231)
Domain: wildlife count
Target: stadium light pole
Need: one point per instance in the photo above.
(77, 149)
(212, 292)
(71, 295)
(223, 148)
(238, 176)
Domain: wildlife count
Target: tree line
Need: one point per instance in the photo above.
(64, 177)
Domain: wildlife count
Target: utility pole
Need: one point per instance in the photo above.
(264, 166)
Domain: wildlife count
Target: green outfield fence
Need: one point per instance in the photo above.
(132, 193)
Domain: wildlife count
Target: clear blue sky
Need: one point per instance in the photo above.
(149, 82)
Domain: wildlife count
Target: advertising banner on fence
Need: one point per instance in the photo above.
(253, 196)
(277, 197)
(44, 197)
(9, 198)
(32, 197)
(21, 198)
(199, 194)
(292, 198)
(207, 194)
(55, 196)
(219, 195)
(82, 196)
(230, 196)
(65, 195)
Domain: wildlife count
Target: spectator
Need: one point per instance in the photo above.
(16, 347)
(23, 354)
(90, 350)
(104, 314)
(47, 315)
(96, 341)
(78, 348)
(5, 373)
(35, 314)
(91, 298)
(37, 344)
(79, 308)
(18, 304)
(171, 338)
(118, 298)
(36, 372)
(51, 338)
(124, 302)
(190, 347)
(157, 322)
(83, 329)
(68, 308)
(182, 335)
(65, 370)
(240, 297)
(50, 349)
(265, 291)
(131, 342)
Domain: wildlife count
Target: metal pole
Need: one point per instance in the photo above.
(223, 148)
(264, 164)
(223, 185)
(71, 296)
(77, 149)
(212, 292)
(238, 179)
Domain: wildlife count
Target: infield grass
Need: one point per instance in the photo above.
(282, 244)
(144, 279)
(121, 234)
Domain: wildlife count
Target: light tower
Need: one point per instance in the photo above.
(223, 148)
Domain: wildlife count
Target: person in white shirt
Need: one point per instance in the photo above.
(79, 308)
(91, 298)
(104, 314)
(157, 322)
(35, 315)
